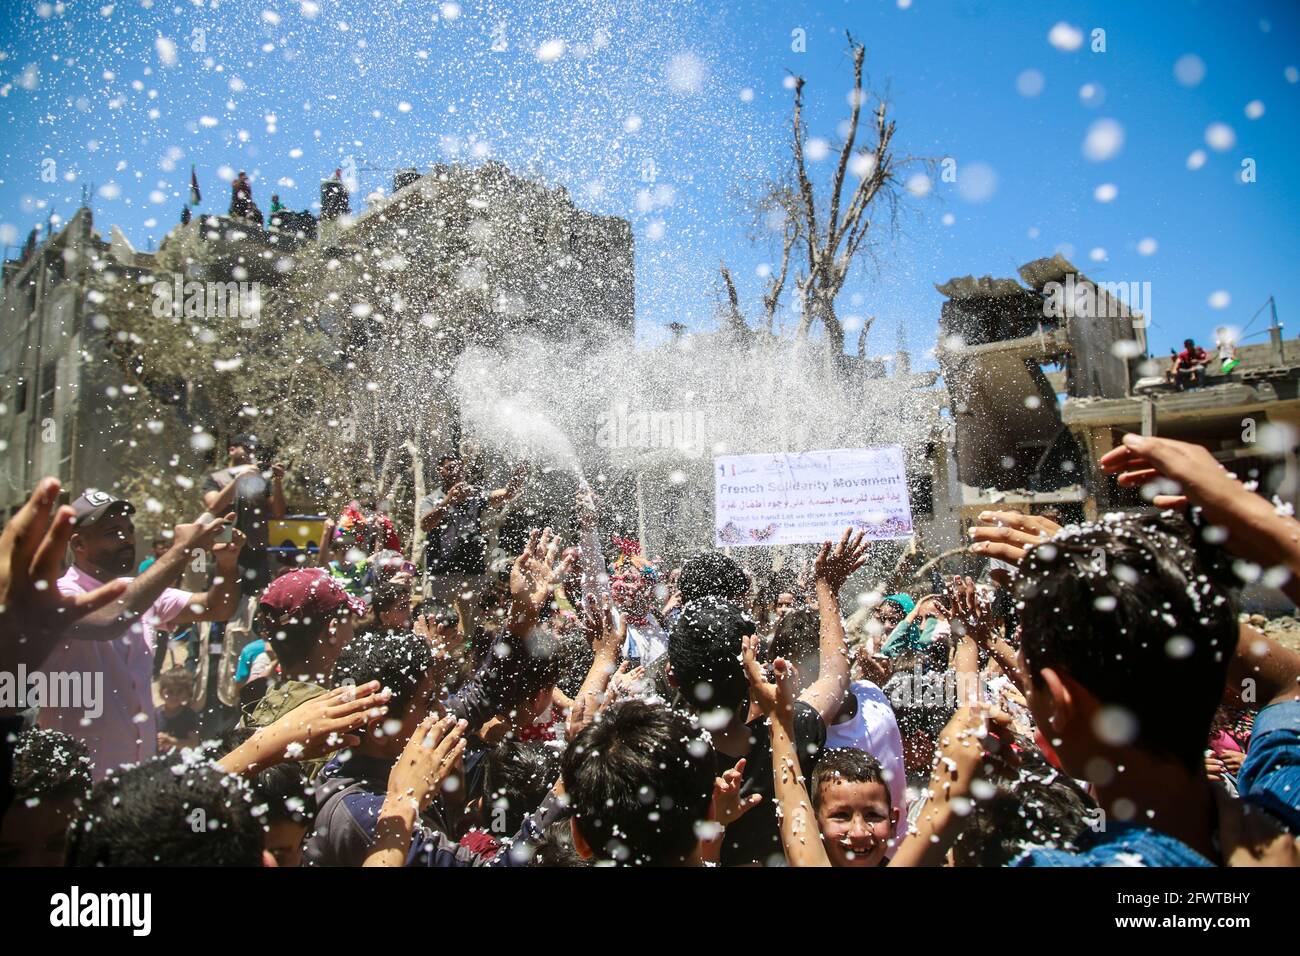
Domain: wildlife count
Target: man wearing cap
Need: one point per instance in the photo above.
(305, 617)
(115, 645)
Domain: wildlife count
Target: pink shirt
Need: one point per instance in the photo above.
(125, 730)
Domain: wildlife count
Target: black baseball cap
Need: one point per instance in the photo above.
(94, 504)
(245, 441)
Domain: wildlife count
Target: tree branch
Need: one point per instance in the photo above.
(735, 321)
(837, 185)
(805, 184)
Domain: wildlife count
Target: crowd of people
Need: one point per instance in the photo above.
(1095, 699)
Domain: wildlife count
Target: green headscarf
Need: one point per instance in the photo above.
(906, 636)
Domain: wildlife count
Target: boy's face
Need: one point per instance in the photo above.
(856, 822)
(173, 697)
(785, 603)
(283, 841)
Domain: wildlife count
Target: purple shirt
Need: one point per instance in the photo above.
(117, 723)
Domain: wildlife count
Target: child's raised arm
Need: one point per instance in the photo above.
(800, 837)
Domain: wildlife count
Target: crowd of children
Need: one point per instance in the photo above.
(1099, 703)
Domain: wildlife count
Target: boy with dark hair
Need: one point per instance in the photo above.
(166, 812)
(712, 574)
(704, 665)
(178, 724)
(50, 780)
(349, 794)
(516, 777)
(1165, 609)
(853, 807)
(287, 799)
(639, 778)
(1095, 644)
(1128, 662)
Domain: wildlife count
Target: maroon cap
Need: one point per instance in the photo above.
(309, 593)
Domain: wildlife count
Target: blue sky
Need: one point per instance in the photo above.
(592, 95)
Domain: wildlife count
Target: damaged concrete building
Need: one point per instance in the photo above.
(1039, 393)
(476, 250)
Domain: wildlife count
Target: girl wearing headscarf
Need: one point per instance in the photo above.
(900, 610)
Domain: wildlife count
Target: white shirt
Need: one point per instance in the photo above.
(874, 730)
(646, 642)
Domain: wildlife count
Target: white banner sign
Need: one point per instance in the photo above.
(811, 497)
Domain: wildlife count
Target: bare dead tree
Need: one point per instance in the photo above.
(827, 235)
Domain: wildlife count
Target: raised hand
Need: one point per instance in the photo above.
(202, 534)
(728, 805)
(312, 729)
(975, 734)
(446, 640)
(1255, 528)
(31, 552)
(226, 553)
(606, 631)
(535, 572)
(427, 760)
(625, 682)
(458, 493)
(835, 563)
(1005, 535)
(971, 614)
(774, 698)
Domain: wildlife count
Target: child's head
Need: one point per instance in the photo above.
(639, 779)
(712, 574)
(392, 606)
(523, 674)
(854, 812)
(402, 662)
(289, 811)
(516, 778)
(306, 615)
(176, 687)
(1127, 629)
(166, 812)
(51, 779)
(798, 640)
(1040, 807)
(704, 654)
